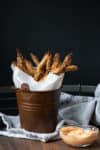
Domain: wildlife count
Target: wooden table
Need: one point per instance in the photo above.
(7, 143)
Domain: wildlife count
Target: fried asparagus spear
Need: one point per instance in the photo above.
(71, 68)
(56, 61)
(40, 69)
(66, 62)
(29, 67)
(24, 64)
(45, 65)
(48, 63)
(34, 59)
(20, 60)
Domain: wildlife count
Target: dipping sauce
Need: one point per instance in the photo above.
(79, 136)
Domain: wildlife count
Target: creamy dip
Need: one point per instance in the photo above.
(77, 136)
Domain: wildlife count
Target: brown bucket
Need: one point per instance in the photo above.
(38, 110)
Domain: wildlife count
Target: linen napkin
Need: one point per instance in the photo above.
(73, 110)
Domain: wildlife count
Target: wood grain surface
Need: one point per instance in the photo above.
(7, 143)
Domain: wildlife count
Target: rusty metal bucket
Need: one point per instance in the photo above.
(38, 110)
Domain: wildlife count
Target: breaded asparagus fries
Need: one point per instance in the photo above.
(39, 69)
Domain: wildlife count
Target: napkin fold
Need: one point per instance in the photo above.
(81, 110)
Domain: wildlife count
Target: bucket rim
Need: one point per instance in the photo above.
(24, 90)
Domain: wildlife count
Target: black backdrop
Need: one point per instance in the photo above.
(63, 25)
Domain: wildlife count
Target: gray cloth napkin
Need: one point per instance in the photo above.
(79, 110)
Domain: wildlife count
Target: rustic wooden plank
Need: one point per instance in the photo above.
(9, 110)
(79, 88)
(5, 104)
(71, 88)
(68, 88)
(7, 143)
(7, 98)
(6, 89)
(87, 89)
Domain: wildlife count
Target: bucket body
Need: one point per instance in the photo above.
(38, 110)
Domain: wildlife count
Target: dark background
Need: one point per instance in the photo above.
(66, 26)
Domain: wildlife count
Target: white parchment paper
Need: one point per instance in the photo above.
(51, 82)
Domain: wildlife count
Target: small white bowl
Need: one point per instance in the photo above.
(79, 136)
